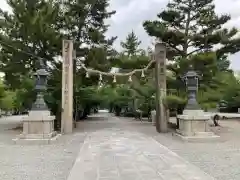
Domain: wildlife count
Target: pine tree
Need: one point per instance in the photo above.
(191, 30)
(131, 44)
(192, 26)
(84, 22)
(30, 29)
(38, 27)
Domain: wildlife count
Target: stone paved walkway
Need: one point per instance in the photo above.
(114, 154)
(54, 162)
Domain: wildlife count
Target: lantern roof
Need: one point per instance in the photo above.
(191, 73)
(41, 72)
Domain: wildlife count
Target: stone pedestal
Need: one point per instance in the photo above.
(194, 126)
(38, 128)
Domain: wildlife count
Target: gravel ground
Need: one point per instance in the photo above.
(53, 162)
(49, 162)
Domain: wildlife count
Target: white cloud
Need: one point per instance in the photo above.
(134, 10)
(4, 5)
(131, 15)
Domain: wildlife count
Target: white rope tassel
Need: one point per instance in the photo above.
(100, 84)
(87, 75)
(114, 79)
(130, 79)
(142, 75)
(100, 77)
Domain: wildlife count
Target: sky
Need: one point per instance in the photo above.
(130, 14)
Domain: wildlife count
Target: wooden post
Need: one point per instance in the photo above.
(67, 87)
(161, 118)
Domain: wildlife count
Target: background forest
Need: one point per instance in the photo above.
(191, 30)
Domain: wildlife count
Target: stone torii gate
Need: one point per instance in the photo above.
(67, 87)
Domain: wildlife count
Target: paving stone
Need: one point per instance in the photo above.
(132, 156)
(221, 160)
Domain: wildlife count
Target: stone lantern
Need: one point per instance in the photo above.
(191, 79)
(38, 126)
(193, 123)
(40, 86)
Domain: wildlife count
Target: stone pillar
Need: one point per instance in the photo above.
(160, 57)
(67, 87)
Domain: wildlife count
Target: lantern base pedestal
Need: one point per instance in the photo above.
(38, 128)
(194, 127)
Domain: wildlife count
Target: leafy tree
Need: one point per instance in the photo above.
(131, 44)
(144, 94)
(230, 89)
(119, 97)
(2, 89)
(7, 102)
